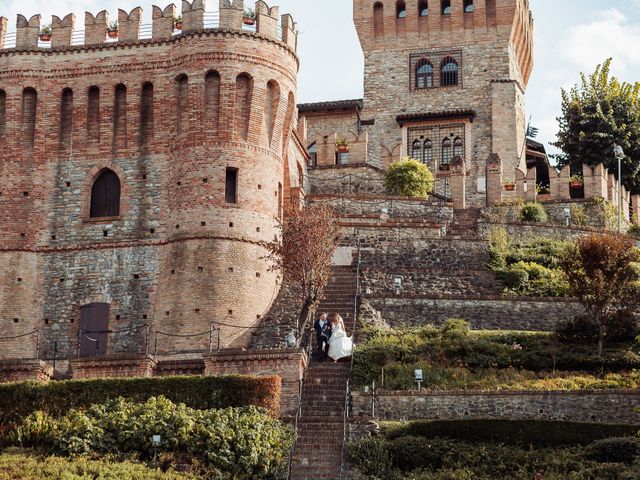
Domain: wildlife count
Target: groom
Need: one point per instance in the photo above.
(322, 326)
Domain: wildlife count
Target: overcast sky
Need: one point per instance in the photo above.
(570, 36)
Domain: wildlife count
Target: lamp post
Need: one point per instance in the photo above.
(619, 153)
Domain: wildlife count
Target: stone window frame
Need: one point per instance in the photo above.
(435, 57)
(436, 158)
(87, 186)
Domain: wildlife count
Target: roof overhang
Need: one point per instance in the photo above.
(430, 116)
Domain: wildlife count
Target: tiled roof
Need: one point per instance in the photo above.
(417, 117)
(335, 104)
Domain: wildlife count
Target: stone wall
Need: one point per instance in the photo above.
(289, 364)
(346, 180)
(483, 312)
(611, 406)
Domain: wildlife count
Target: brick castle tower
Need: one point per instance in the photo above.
(140, 174)
(444, 82)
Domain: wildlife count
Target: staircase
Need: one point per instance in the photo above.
(464, 223)
(318, 450)
(340, 294)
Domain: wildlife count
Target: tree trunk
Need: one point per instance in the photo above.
(601, 332)
(304, 319)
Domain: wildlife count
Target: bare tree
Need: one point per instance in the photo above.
(302, 252)
(599, 268)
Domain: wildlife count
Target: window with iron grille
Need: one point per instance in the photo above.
(436, 69)
(436, 145)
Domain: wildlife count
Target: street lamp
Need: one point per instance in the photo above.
(619, 153)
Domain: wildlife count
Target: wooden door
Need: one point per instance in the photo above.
(94, 323)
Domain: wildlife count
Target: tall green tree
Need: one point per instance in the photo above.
(597, 114)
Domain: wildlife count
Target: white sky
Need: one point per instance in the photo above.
(571, 36)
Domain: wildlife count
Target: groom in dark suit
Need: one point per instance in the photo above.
(322, 326)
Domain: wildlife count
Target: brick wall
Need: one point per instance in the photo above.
(289, 364)
(112, 367)
(177, 257)
(19, 370)
(611, 406)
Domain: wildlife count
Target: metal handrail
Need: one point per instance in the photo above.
(298, 412)
(212, 330)
(82, 333)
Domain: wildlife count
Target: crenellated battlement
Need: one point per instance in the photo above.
(267, 23)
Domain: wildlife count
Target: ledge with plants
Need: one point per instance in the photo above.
(45, 33)
(112, 29)
(249, 16)
(177, 22)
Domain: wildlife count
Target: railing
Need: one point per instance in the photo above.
(211, 20)
(347, 396)
(83, 334)
(213, 330)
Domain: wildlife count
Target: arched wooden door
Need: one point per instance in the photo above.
(94, 324)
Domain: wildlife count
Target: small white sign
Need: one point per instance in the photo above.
(482, 185)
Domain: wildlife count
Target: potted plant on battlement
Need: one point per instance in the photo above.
(112, 30)
(509, 185)
(576, 181)
(45, 33)
(249, 16)
(177, 22)
(341, 145)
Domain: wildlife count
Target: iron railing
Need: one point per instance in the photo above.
(213, 331)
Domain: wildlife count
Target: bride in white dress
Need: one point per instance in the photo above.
(340, 345)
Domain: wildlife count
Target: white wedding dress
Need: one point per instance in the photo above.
(340, 345)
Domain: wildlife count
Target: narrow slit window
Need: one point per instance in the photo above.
(244, 87)
(28, 119)
(3, 113)
(93, 114)
(146, 113)
(182, 116)
(231, 186)
(212, 99)
(272, 103)
(66, 119)
(378, 19)
(120, 117)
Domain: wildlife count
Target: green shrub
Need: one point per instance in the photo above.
(614, 450)
(579, 215)
(581, 329)
(25, 465)
(409, 178)
(532, 279)
(372, 457)
(455, 327)
(409, 453)
(533, 212)
(18, 400)
(240, 442)
(634, 229)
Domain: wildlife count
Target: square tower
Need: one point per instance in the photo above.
(444, 83)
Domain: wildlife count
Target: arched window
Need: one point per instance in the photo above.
(416, 150)
(66, 118)
(93, 114)
(446, 7)
(105, 195)
(378, 19)
(212, 99)
(3, 112)
(428, 152)
(244, 91)
(448, 72)
(401, 9)
(468, 6)
(423, 8)
(272, 103)
(146, 113)
(446, 154)
(458, 147)
(424, 74)
(182, 96)
(313, 153)
(28, 119)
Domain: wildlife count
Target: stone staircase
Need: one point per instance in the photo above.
(339, 295)
(464, 223)
(318, 450)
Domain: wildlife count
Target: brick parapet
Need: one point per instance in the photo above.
(289, 364)
(601, 406)
(113, 366)
(20, 370)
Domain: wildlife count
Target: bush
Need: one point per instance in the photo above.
(582, 330)
(532, 279)
(533, 212)
(240, 442)
(634, 230)
(409, 453)
(24, 465)
(372, 457)
(18, 400)
(409, 178)
(614, 450)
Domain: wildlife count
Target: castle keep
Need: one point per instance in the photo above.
(140, 175)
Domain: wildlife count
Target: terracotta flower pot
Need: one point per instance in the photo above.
(343, 148)
(45, 37)
(112, 33)
(178, 25)
(249, 21)
(510, 187)
(576, 184)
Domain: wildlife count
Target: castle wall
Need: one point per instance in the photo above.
(178, 256)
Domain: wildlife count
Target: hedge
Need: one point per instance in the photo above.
(19, 399)
(523, 432)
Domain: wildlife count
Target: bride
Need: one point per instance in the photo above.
(340, 345)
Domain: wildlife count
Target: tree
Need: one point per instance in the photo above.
(302, 252)
(601, 274)
(596, 115)
(409, 178)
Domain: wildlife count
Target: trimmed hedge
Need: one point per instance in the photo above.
(20, 399)
(523, 432)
